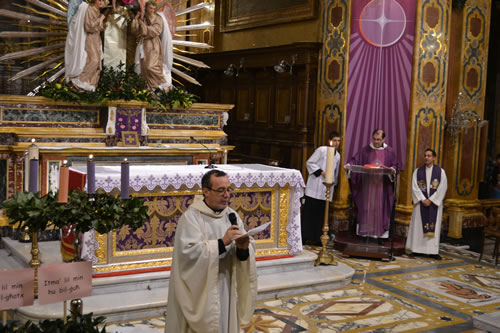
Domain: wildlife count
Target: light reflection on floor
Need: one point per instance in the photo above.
(405, 295)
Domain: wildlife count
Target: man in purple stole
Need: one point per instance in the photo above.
(429, 187)
(374, 194)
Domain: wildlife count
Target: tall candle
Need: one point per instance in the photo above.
(33, 185)
(125, 180)
(33, 151)
(91, 175)
(32, 154)
(26, 172)
(329, 165)
(63, 182)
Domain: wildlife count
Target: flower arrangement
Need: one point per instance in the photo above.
(119, 84)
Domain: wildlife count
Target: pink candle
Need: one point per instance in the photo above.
(63, 182)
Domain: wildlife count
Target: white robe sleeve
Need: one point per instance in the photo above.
(75, 56)
(197, 284)
(167, 50)
(438, 196)
(337, 167)
(313, 163)
(416, 193)
(246, 284)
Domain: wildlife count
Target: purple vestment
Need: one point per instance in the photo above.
(373, 194)
(428, 214)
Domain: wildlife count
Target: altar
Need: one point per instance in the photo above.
(262, 194)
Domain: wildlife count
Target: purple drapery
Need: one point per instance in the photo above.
(380, 64)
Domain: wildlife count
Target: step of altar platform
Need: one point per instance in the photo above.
(7, 261)
(135, 296)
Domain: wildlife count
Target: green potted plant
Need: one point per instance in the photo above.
(102, 211)
(30, 210)
(80, 324)
(33, 212)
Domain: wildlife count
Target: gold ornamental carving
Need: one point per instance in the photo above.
(283, 222)
(102, 251)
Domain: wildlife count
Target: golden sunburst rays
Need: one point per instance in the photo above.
(56, 15)
(38, 30)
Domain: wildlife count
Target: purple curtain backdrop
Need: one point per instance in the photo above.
(380, 64)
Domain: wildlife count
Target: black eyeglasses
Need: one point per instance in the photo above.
(222, 190)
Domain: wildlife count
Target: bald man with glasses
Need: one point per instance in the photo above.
(213, 280)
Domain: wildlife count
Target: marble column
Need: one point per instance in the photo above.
(467, 86)
(427, 99)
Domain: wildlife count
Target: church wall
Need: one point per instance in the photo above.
(302, 30)
(273, 119)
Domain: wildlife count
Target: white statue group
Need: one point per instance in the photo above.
(153, 26)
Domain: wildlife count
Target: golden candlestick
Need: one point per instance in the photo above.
(324, 257)
(76, 308)
(35, 261)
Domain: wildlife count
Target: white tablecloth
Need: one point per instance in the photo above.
(165, 175)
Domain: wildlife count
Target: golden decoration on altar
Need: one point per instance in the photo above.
(283, 222)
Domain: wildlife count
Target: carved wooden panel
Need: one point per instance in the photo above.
(283, 105)
(301, 105)
(274, 115)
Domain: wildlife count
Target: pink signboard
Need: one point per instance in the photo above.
(16, 288)
(62, 282)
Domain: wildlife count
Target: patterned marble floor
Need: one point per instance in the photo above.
(406, 295)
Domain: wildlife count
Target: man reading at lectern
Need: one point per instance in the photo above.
(315, 195)
(373, 194)
(213, 280)
(429, 185)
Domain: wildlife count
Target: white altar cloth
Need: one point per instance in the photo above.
(150, 176)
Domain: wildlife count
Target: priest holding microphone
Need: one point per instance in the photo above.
(322, 166)
(213, 280)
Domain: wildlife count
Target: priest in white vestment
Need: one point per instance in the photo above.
(429, 187)
(213, 280)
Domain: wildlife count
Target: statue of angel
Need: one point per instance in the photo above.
(154, 52)
(83, 50)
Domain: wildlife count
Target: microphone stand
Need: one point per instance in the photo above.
(210, 165)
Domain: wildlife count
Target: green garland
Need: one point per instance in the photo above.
(119, 84)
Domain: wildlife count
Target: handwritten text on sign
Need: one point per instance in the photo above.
(16, 288)
(62, 282)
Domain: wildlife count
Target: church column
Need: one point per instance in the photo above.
(332, 93)
(467, 86)
(428, 97)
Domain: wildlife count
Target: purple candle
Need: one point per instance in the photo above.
(125, 179)
(91, 175)
(33, 185)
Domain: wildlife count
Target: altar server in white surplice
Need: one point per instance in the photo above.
(315, 195)
(429, 187)
(213, 281)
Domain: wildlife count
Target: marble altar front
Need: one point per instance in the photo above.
(262, 194)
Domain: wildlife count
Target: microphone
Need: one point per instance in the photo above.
(210, 165)
(232, 219)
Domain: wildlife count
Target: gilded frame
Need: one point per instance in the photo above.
(281, 234)
(257, 15)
